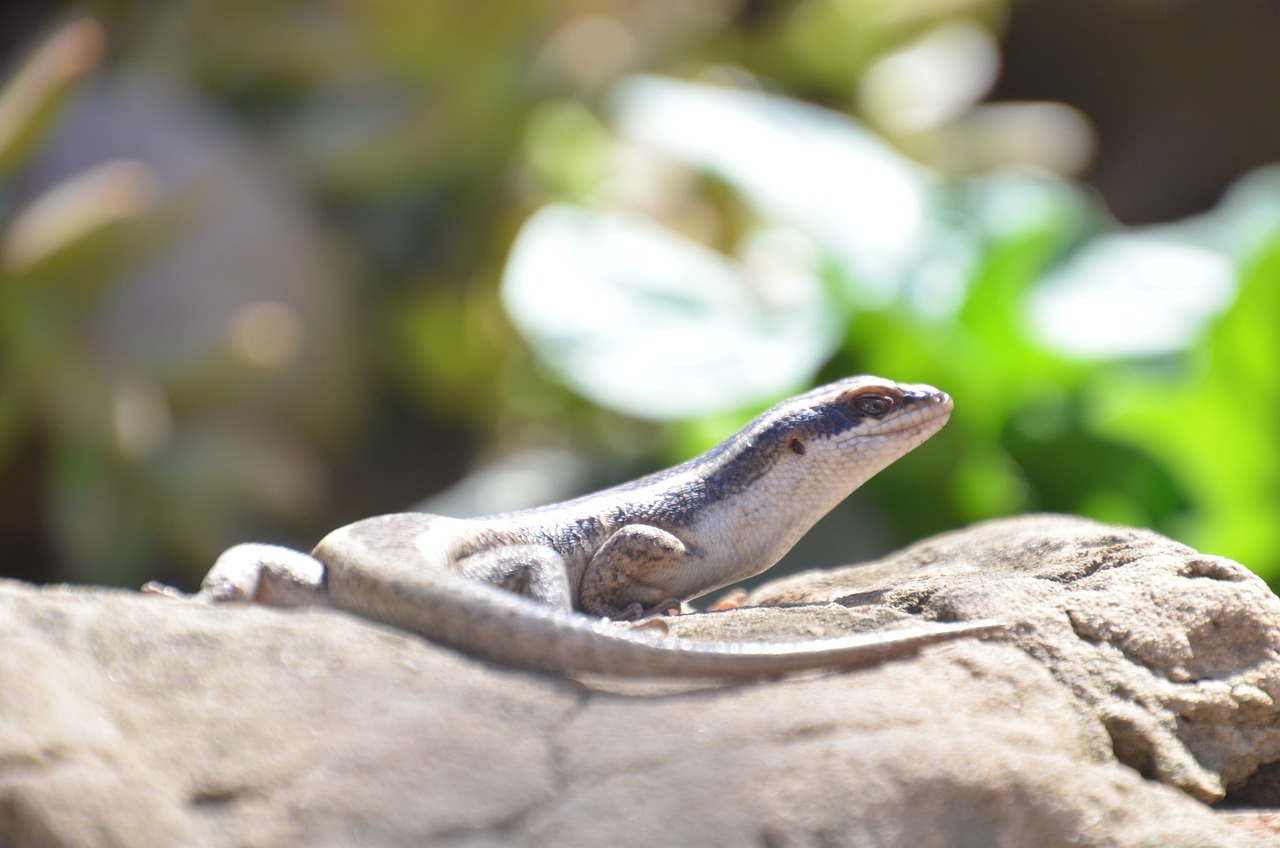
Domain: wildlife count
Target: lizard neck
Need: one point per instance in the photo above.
(743, 531)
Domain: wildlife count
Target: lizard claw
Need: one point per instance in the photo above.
(671, 606)
(155, 587)
(631, 612)
(635, 611)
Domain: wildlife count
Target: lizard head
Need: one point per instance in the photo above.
(867, 416)
(795, 462)
(825, 443)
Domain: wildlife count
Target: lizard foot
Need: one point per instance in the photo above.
(264, 574)
(636, 611)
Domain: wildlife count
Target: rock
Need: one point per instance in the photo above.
(1174, 651)
(134, 720)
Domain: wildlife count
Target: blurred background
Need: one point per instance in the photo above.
(268, 267)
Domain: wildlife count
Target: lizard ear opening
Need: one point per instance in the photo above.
(797, 446)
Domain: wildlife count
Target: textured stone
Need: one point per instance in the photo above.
(1176, 652)
(133, 720)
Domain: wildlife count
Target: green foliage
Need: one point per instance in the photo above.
(1161, 416)
(589, 226)
(127, 438)
(59, 253)
(32, 99)
(1211, 421)
(56, 253)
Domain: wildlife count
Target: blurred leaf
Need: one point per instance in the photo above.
(812, 169)
(935, 79)
(643, 321)
(34, 96)
(1138, 293)
(64, 219)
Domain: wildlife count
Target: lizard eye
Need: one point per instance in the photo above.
(873, 405)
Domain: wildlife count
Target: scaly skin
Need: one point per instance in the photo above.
(523, 588)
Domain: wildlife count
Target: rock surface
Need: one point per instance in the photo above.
(1140, 677)
(1177, 653)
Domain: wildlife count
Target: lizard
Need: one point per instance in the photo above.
(543, 588)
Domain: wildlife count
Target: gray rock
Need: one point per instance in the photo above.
(1174, 651)
(132, 720)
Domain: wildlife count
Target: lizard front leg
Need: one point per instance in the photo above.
(629, 575)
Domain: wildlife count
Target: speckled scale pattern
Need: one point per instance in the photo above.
(625, 552)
